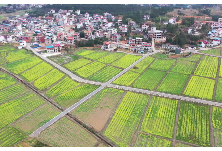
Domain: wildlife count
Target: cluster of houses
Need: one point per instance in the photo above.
(60, 30)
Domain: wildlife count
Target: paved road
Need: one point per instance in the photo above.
(62, 114)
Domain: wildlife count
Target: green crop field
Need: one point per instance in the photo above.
(218, 138)
(77, 64)
(65, 133)
(217, 118)
(220, 72)
(191, 58)
(173, 83)
(162, 64)
(6, 81)
(97, 55)
(207, 67)
(111, 57)
(6, 48)
(141, 66)
(36, 72)
(127, 78)
(181, 145)
(151, 141)
(12, 92)
(22, 65)
(218, 96)
(105, 74)
(160, 117)
(18, 107)
(17, 55)
(36, 119)
(126, 61)
(71, 97)
(200, 87)
(63, 86)
(126, 119)
(9, 136)
(98, 108)
(212, 52)
(149, 79)
(184, 67)
(48, 79)
(90, 69)
(83, 52)
(193, 124)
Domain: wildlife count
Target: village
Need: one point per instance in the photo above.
(66, 29)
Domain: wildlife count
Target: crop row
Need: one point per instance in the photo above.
(96, 55)
(77, 64)
(160, 64)
(141, 66)
(184, 67)
(17, 55)
(83, 52)
(127, 78)
(7, 81)
(111, 58)
(126, 61)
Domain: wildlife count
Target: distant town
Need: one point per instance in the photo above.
(66, 29)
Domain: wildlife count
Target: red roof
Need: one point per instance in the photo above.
(69, 38)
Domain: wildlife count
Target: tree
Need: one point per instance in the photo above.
(76, 29)
(82, 34)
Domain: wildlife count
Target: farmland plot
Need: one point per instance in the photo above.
(71, 97)
(160, 117)
(126, 61)
(90, 69)
(217, 118)
(212, 52)
(10, 136)
(126, 119)
(22, 65)
(218, 138)
(173, 83)
(83, 52)
(105, 74)
(36, 72)
(193, 124)
(7, 81)
(63, 59)
(218, 96)
(220, 72)
(127, 78)
(65, 133)
(97, 55)
(48, 79)
(200, 87)
(181, 145)
(17, 55)
(207, 67)
(63, 86)
(96, 111)
(184, 67)
(16, 108)
(149, 79)
(36, 119)
(77, 64)
(111, 57)
(191, 58)
(12, 92)
(160, 64)
(141, 66)
(151, 141)
(6, 48)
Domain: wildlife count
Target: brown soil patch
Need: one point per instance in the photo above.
(187, 12)
(98, 118)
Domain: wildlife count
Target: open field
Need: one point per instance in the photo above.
(212, 52)
(207, 67)
(71, 97)
(89, 69)
(127, 78)
(194, 125)
(6, 15)
(151, 141)
(63, 59)
(77, 64)
(191, 58)
(149, 79)
(65, 133)
(97, 110)
(126, 61)
(200, 87)
(173, 83)
(105, 74)
(126, 119)
(184, 67)
(187, 12)
(111, 57)
(160, 117)
(162, 64)
(141, 66)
